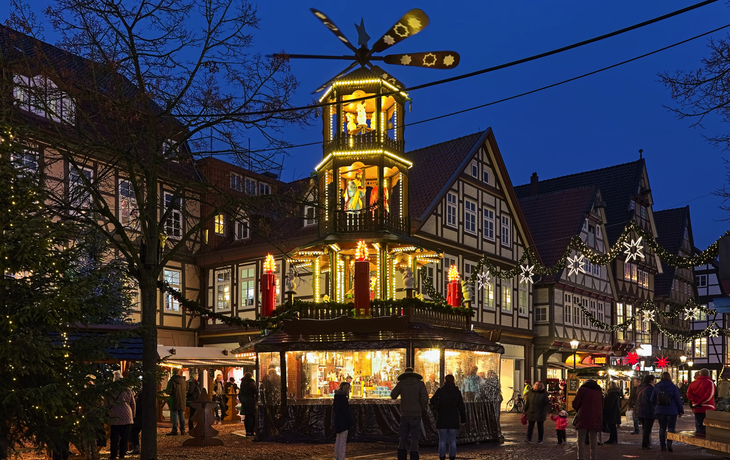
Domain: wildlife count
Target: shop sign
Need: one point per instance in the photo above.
(599, 360)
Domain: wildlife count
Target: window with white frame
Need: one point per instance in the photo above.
(310, 216)
(485, 176)
(700, 349)
(701, 280)
(223, 289)
(475, 171)
(522, 299)
(236, 182)
(567, 309)
(592, 308)
(26, 161)
(78, 194)
(507, 295)
(576, 312)
(596, 270)
(541, 313)
(264, 188)
(128, 209)
(468, 269)
(173, 278)
(241, 230)
(489, 295)
(219, 224)
(470, 217)
(643, 212)
(506, 227)
(584, 316)
(251, 186)
(488, 224)
(170, 149)
(620, 318)
(601, 312)
(451, 209)
(41, 96)
(591, 236)
(173, 224)
(247, 285)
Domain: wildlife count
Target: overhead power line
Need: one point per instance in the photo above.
(482, 71)
(526, 93)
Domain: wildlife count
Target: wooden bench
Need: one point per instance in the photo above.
(716, 442)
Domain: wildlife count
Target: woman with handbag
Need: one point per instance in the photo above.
(448, 404)
(537, 405)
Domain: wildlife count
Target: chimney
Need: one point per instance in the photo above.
(533, 184)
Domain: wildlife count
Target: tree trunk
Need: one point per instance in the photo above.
(148, 285)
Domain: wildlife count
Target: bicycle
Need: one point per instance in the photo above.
(517, 402)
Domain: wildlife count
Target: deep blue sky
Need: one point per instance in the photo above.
(596, 122)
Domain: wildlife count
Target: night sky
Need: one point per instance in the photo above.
(592, 123)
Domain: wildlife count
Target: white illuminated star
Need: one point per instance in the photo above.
(648, 315)
(576, 265)
(483, 280)
(388, 39)
(714, 331)
(449, 60)
(526, 275)
(691, 313)
(405, 59)
(633, 250)
(414, 23)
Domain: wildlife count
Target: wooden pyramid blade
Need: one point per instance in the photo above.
(329, 82)
(410, 24)
(333, 28)
(432, 59)
(387, 77)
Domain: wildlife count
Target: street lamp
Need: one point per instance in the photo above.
(690, 364)
(574, 345)
(682, 358)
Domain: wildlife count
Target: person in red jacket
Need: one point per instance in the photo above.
(701, 394)
(561, 423)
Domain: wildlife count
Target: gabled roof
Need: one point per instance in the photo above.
(670, 225)
(618, 184)
(554, 218)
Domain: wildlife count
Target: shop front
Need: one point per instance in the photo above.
(300, 372)
(512, 372)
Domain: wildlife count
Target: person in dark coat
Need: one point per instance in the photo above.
(413, 403)
(193, 394)
(666, 413)
(247, 395)
(612, 411)
(635, 384)
(448, 404)
(177, 390)
(537, 406)
(588, 404)
(645, 410)
(137, 425)
(342, 418)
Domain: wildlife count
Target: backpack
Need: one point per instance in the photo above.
(662, 398)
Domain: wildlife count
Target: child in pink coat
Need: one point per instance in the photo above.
(561, 423)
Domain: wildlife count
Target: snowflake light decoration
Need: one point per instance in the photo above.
(713, 331)
(526, 275)
(633, 358)
(634, 250)
(576, 265)
(483, 280)
(691, 313)
(662, 362)
(648, 315)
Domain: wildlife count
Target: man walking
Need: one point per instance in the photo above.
(192, 395)
(701, 395)
(635, 383)
(413, 402)
(177, 390)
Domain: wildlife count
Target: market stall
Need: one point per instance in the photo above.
(602, 375)
(301, 371)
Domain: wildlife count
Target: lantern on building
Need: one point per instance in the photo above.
(453, 289)
(362, 280)
(268, 287)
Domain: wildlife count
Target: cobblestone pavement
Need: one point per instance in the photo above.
(514, 448)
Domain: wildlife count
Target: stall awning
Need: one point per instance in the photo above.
(200, 356)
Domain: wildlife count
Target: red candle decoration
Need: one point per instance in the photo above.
(268, 287)
(362, 280)
(453, 289)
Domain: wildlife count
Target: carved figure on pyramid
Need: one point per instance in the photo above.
(362, 115)
(408, 280)
(354, 193)
(291, 281)
(203, 434)
(351, 125)
(466, 292)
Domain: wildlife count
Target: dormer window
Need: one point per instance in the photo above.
(40, 96)
(170, 149)
(264, 188)
(310, 216)
(251, 186)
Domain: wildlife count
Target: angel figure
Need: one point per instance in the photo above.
(291, 281)
(351, 125)
(354, 193)
(362, 115)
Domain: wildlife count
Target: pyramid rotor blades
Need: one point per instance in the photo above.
(410, 24)
(329, 82)
(387, 77)
(333, 28)
(432, 59)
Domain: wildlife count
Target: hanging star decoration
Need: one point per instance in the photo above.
(483, 280)
(662, 362)
(648, 315)
(634, 250)
(713, 331)
(633, 358)
(526, 275)
(576, 264)
(691, 313)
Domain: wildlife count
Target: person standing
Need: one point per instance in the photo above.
(271, 387)
(537, 405)
(668, 406)
(137, 425)
(635, 384)
(448, 405)
(219, 392)
(192, 394)
(645, 410)
(121, 416)
(471, 384)
(177, 391)
(413, 402)
(342, 419)
(701, 395)
(247, 396)
(561, 423)
(588, 404)
(612, 411)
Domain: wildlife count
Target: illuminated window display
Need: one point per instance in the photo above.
(471, 369)
(428, 364)
(316, 374)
